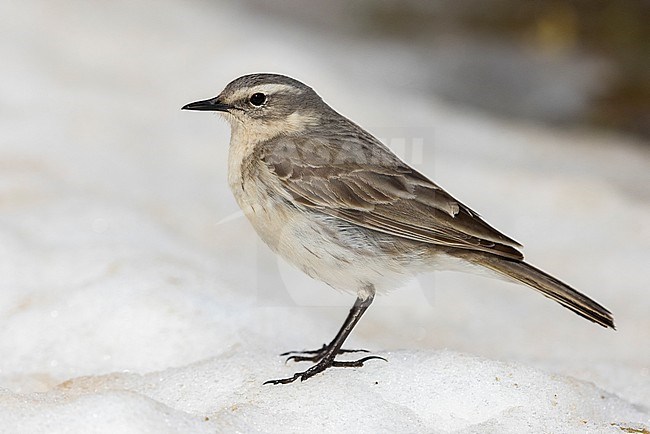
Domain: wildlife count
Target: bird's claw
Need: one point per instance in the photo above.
(322, 365)
(315, 355)
(355, 363)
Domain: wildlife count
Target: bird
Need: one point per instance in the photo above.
(334, 201)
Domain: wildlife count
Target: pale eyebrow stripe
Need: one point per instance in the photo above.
(268, 89)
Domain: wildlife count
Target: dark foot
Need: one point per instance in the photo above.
(323, 364)
(315, 355)
(326, 354)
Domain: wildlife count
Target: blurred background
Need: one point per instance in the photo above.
(121, 247)
(565, 63)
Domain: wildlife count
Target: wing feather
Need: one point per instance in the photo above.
(371, 187)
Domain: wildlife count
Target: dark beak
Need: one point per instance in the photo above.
(213, 105)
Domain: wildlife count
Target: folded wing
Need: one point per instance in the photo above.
(364, 183)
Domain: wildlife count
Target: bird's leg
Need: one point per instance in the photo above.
(325, 355)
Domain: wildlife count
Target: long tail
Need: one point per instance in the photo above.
(547, 285)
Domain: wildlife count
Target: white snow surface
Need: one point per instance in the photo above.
(135, 299)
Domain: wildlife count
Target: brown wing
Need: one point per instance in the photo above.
(367, 185)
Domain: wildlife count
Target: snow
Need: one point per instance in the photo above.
(134, 298)
(417, 389)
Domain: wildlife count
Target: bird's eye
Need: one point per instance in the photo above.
(257, 99)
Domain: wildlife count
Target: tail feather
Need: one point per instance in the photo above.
(547, 285)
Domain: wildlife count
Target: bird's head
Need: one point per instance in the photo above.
(266, 105)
